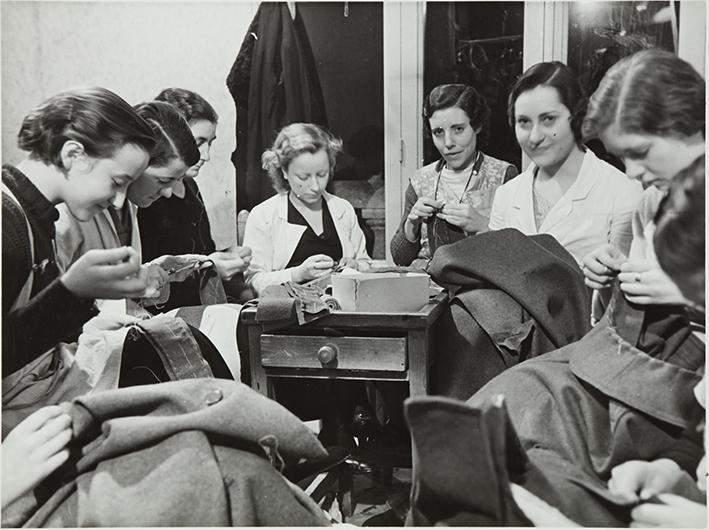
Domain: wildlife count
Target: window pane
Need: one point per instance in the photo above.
(480, 44)
(600, 33)
(347, 42)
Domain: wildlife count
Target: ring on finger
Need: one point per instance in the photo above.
(637, 278)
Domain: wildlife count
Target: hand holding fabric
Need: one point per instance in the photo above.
(422, 209)
(672, 511)
(644, 282)
(229, 263)
(158, 290)
(637, 480)
(361, 265)
(107, 273)
(464, 216)
(181, 267)
(601, 266)
(32, 450)
(313, 267)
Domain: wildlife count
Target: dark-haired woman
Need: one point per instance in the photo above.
(566, 191)
(179, 224)
(85, 147)
(174, 152)
(450, 198)
(649, 110)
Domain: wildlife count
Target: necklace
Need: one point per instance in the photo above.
(473, 173)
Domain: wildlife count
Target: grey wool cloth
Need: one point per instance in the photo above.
(198, 452)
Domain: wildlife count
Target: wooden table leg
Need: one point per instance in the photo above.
(258, 374)
(418, 363)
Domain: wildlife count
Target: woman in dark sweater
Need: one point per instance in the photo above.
(179, 224)
(84, 148)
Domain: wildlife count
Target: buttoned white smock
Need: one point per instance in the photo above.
(596, 209)
(273, 240)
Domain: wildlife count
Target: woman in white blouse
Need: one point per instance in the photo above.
(302, 232)
(566, 191)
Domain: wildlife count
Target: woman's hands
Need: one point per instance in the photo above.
(641, 280)
(179, 268)
(361, 265)
(637, 480)
(313, 267)
(671, 511)
(601, 266)
(158, 290)
(229, 263)
(32, 450)
(464, 216)
(644, 282)
(112, 274)
(422, 209)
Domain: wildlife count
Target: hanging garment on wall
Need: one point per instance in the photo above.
(274, 82)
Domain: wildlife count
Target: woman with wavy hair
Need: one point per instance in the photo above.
(302, 232)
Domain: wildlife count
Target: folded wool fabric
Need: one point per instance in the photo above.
(291, 303)
(198, 452)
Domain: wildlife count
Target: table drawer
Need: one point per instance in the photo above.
(346, 353)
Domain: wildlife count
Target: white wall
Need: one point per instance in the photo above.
(135, 49)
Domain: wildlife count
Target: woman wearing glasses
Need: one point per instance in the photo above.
(450, 199)
(566, 191)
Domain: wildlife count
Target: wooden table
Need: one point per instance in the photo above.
(346, 345)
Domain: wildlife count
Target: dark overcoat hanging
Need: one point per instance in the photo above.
(274, 82)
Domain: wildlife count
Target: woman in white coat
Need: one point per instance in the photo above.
(298, 235)
(302, 232)
(566, 191)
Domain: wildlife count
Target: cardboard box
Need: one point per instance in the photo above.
(389, 292)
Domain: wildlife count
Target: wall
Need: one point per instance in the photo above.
(134, 49)
(351, 73)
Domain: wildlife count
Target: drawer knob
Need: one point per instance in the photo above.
(327, 354)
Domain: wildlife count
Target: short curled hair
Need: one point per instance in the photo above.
(98, 119)
(191, 105)
(650, 92)
(173, 138)
(464, 97)
(557, 75)
(294, 140)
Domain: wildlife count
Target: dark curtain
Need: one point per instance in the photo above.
(274, 82)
